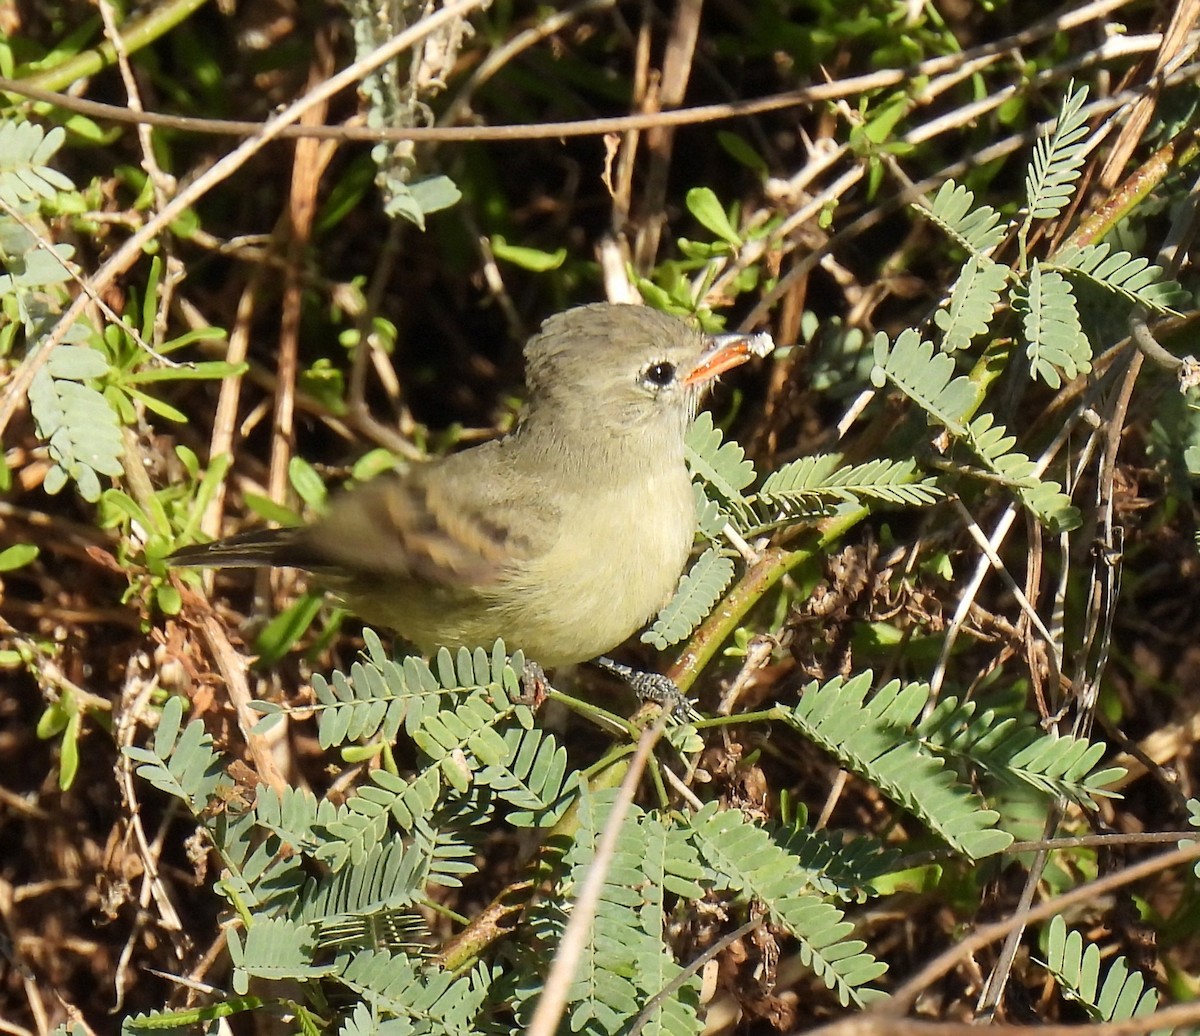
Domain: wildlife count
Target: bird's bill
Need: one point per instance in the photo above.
(727, 352)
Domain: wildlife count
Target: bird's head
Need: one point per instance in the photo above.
(627, 369)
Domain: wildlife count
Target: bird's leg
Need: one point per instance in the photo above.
(652, 687)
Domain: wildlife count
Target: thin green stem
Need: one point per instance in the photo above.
(772, 565)
(761, 716)
(612, 756)
(445, 911)
(387, 759)
(656, 777)
(141, 32)
(601, 717)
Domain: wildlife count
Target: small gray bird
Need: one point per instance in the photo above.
(563, 537)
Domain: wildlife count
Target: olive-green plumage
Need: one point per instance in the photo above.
(563, 537)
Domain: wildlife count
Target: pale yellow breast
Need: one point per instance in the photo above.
(615, 563)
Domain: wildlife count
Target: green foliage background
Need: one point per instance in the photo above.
(945, 532)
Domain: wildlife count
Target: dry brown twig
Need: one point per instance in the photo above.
(847, 87)
(553, 1000)
(130, 251)
(907, 994)
(670, 90)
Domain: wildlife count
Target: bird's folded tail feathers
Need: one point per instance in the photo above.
(255, 549)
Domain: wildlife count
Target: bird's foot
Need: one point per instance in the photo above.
(651, 687)
(535, 684)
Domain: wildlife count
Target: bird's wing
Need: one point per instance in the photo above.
(460, 521)
(456, 522)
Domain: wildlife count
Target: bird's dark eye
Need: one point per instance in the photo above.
(660, 374)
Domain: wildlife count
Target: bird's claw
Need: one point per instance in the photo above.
(534, 684)
(652, 687)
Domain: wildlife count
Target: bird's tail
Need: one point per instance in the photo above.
(261, 547)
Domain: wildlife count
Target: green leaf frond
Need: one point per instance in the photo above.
(1011, 748)
(710, 518)
(464, 740)
(924, 376)
(835, 864)
(380, 695)
(1058, 159)
(177, 1020)
(531, 777)
(274, 948)
(1054, 338)
(1134, 278)
(71, 412)
(295, 815)
(972, 303)
(392, 929)
(625, 959)
(721, 466)
(992, 444)
(927, 377)
(450, 840)
(25, 150)
(262, 872)
(746, 860)
(181, 763)
(31, 266)
(461, 745)
(391, 875)
(977, 228)
(454, 716)
(670, 865)
(699, 590)
(1112, 995)
(431, 1001)
(811, 483)
(870, 736)
(678, 1014)
(76, 420)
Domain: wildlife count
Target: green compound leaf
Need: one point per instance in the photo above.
(699, 589)
(1112, 995)
(1135, 279)
(76, 420)
(25, 148)
(1058, 159)
(746, 859)
(803, 483)
(974, 299)
(925, 376)
(1055, 342)
(993, 444)
(870, 736)
(721, 465)
(977, 229)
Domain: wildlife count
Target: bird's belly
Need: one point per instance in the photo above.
(594, 587)
(598, 584)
